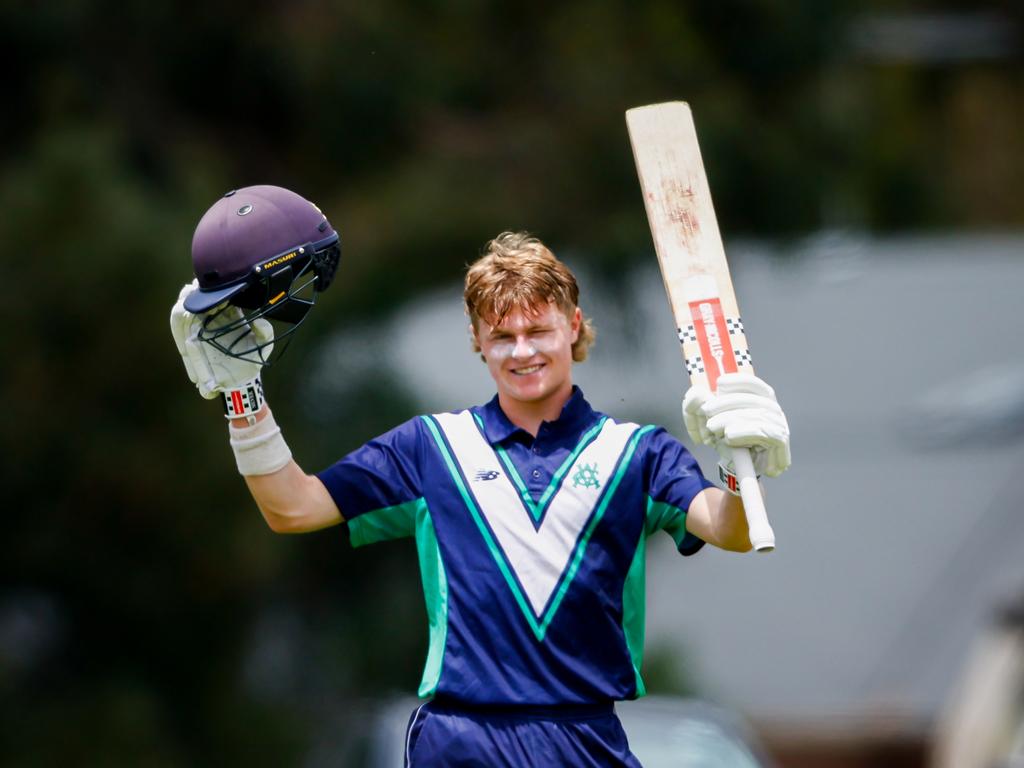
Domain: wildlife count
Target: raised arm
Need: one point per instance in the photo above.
(290, 500)
(742, 413)
(259, 253)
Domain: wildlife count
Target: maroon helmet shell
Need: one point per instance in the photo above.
(244, 228)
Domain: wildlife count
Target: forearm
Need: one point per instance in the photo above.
(289, 500)
(730, 523)
(292, 501)
(718, 518)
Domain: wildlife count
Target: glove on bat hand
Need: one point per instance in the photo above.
(742, 413)
(210, 369)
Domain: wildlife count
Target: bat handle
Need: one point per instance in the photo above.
(761, 534)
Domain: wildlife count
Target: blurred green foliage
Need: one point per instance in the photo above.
(135, 565)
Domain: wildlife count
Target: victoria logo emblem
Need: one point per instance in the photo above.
(586, 476)
(487, 474)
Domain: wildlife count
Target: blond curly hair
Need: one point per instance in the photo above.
(518, 270)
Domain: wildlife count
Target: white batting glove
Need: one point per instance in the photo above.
(208, 368)
(742, 413)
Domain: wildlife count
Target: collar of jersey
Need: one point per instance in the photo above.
(537, 507)
(576, 416)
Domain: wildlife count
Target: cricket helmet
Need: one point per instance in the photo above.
(267, 251)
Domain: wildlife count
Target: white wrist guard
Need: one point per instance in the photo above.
(259, 449)
(244, 401)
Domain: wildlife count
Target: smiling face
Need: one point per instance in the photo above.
(529, 355)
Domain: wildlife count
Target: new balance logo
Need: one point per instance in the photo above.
(486, 474)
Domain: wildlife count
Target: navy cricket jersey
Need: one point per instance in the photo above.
(531, 551)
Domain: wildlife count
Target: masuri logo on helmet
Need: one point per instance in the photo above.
(270, 261)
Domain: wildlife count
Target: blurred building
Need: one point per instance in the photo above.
(982, 725)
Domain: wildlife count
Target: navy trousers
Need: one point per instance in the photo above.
(445, 734)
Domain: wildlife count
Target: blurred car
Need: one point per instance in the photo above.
(666, 731)
(663, 731)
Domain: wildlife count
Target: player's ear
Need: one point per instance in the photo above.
(575, 321)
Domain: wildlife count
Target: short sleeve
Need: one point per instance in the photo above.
(672, 479)
(377, 486)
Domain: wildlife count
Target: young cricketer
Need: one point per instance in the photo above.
(530, 515)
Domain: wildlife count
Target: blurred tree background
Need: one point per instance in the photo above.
(146, 614)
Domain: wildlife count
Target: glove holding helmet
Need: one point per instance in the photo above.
(211, 370)
(261, 256)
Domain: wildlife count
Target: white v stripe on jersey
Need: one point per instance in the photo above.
(539, 556)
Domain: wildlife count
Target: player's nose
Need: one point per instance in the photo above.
(523, 349)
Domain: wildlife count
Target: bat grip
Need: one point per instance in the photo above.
(761, 534)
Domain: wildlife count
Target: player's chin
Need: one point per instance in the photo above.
(528, 388)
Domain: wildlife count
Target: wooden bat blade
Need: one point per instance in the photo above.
(694, 268)
(687, 241)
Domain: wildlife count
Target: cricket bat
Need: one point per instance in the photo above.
(694, 268)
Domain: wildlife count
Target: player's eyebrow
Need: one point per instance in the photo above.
(504, 330)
